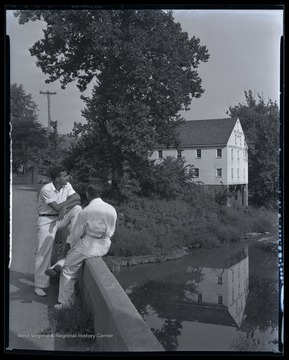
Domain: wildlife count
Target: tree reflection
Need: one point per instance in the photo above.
(245, 343)
(168, 334)
(156, 294)
(263, 295)
(144, 298)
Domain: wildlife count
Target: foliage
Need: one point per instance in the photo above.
(144, 68)
(53, 154)
(168, 179)
(146, 226)
(30, 139)
(27, 134)
(75, 320)
(262, 220)
(260, 122)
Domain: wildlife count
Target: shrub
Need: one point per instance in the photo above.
(262, 220)
(146, 226)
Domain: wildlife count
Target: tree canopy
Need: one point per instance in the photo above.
(143, 67)
(261, 123)
(30, 139)
(28, 135)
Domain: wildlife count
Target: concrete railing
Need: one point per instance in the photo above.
(118, 326)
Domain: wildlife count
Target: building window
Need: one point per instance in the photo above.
(196, 172)
(219, 172)
(232, 154)
(220, 299)
(232, 275)
(219, 153)
(179, 154)
(199, 153)
(232, 173)
(235, 138)
(220, 280)
(238, 155)
(160, 154)
(233, 294)
(238, 173)
(244, 173)
(200, 298)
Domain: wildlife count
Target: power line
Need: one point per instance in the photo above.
(48, 102)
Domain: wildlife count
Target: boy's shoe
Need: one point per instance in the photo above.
(53, 271)
(58, 268)
(50, 272)
(39, 292)
(60, 306)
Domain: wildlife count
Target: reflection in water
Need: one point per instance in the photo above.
(198, 302)
(168, 335)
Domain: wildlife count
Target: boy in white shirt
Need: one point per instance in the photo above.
(90, 237)
(58, 206)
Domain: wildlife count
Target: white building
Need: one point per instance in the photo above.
(218, 151)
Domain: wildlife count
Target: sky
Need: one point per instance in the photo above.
(244, 48)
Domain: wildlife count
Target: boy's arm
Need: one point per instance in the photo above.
(71, 201)
(65, 209)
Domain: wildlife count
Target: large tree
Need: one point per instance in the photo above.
(144, 71)
(261, 123)
(27, 134)
(30, 139)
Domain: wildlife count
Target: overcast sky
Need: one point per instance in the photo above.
(244, 47)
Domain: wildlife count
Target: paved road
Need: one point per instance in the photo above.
(28, 313)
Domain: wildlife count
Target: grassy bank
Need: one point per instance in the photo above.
(147, 227)
(158, 230)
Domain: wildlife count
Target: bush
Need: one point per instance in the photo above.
(146, 226)
(167, 179)
(263, 220)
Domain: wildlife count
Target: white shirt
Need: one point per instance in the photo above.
(96, 221)
(49, 194)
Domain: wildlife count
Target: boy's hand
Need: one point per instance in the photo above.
(62, 212)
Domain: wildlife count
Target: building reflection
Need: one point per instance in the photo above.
(210, 294)
(223, 289)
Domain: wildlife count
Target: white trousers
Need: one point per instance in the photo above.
(84, 249)
(46, 231)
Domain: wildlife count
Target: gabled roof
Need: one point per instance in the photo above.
(197, 312)
(206, 132)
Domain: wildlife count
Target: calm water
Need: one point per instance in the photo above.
(224, 299)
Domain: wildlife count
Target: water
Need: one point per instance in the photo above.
(223, 299)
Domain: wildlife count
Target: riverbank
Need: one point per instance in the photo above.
(266, 241)
(114, 263)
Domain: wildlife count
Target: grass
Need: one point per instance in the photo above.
(147, 226)
(72, 328)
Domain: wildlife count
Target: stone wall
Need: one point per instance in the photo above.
(118, 326)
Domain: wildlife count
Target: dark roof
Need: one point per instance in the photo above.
(206, 132)
(193, 312)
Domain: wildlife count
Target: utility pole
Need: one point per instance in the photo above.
(48, 101)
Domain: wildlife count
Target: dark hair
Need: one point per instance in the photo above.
(94, 189)
(56, 172)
